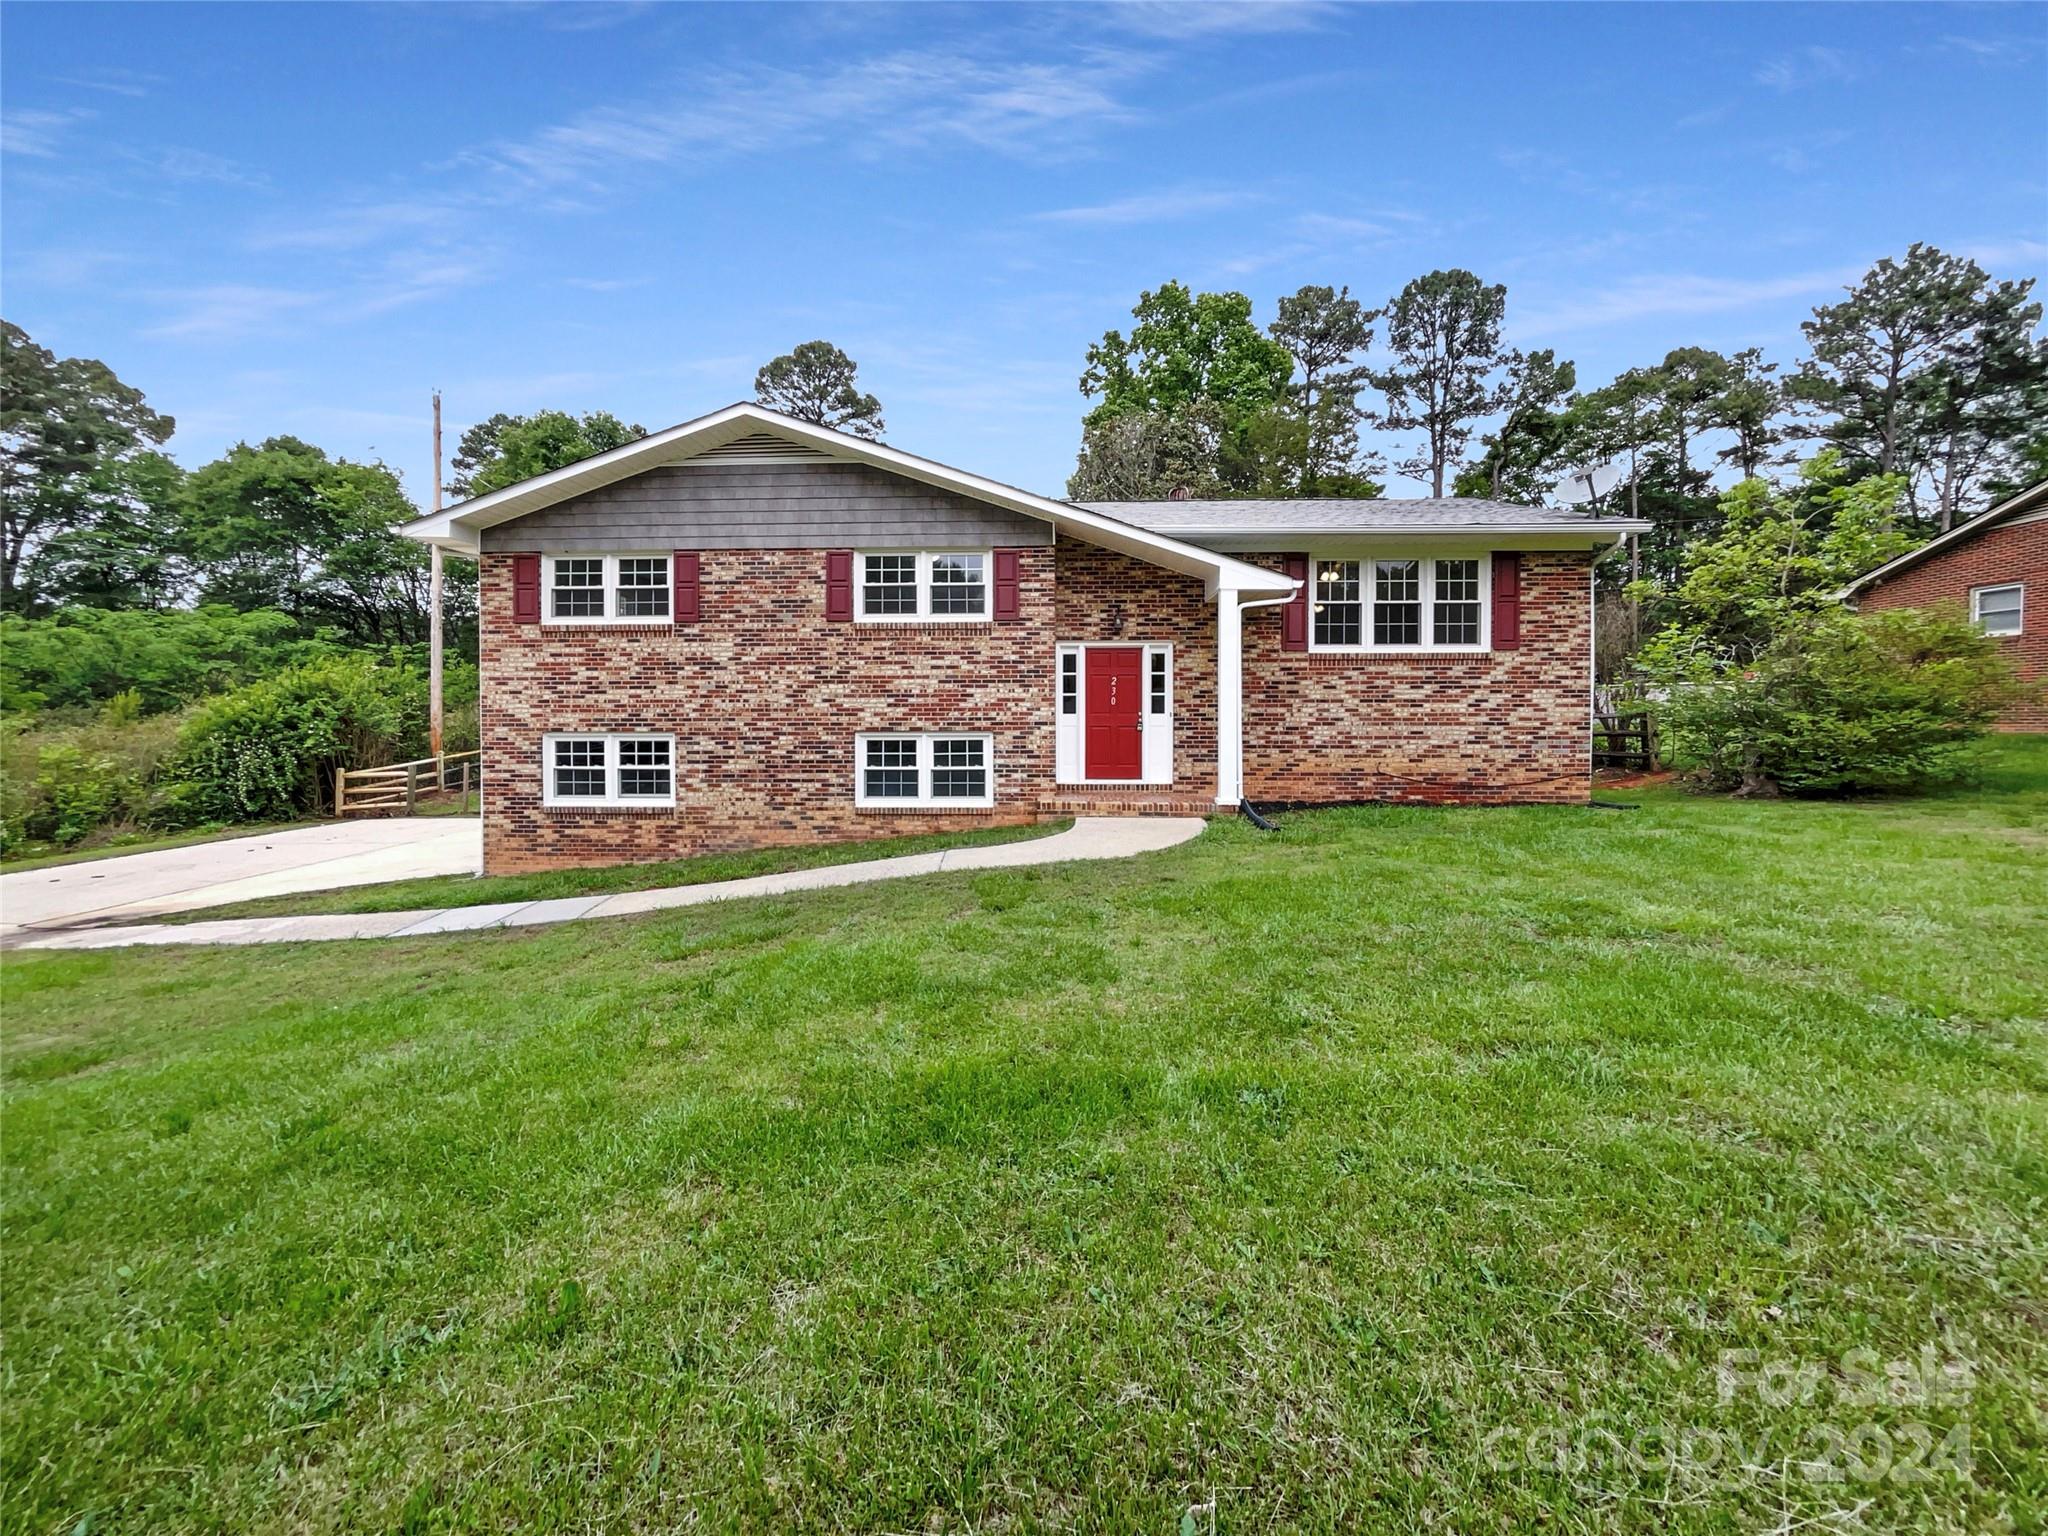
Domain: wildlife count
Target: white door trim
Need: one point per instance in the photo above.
(1070, 730)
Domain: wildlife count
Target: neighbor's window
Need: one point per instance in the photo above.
(1455, 603)
(1999, 610)
(608, 770)
(924, 769)
(626, 589)
(1404, 603)
(924, 586)
(1339, 603)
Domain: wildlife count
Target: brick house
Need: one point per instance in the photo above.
(1995, 566)
(749, 630)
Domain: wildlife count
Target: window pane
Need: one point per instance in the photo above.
(1998, 610)
(1397, 602)
(579, 589)
(643, 588)
(889, 584)
(959, 768)
(579, 768)
(1339, 613)
(1457, 602)
(1070, 684)
(1158, 682)
(890, 768)
(644, 767)
(959, 585)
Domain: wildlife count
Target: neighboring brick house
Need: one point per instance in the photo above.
(1995, 567)
(749, 630)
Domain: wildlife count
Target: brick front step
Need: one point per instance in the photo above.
(1110, 802)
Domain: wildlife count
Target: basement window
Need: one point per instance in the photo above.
(602, 770)
(925, 770)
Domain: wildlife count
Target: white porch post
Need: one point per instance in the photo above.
(1229, 698)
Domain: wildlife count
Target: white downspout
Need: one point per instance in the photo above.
(1230, 689)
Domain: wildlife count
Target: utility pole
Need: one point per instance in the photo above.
(434, 605)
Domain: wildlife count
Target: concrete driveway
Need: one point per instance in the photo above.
(239, 869)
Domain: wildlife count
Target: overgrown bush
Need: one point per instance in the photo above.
(1838, 703)
(64, 783)
(270, 750)
(82, 657)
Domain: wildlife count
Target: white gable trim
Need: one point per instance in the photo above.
(456, 528)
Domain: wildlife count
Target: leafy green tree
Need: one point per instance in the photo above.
(70, 435)
(1689, 383)
(504, 450)
(817, 382)
(1751, 408)
(1325, 331)
(1527, 451)
(1188, 347)
(1444, 330)
(127, 555)
(281, 525)
(1927, 369)
(1150, 455)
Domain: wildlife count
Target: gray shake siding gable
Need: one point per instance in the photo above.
(766, 506)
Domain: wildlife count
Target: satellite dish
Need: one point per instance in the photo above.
(1587, 484)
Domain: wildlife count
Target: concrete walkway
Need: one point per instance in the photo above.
(1090, 837)
(240, 869)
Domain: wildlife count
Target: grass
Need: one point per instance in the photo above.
(470, 891)
(1331, 1180)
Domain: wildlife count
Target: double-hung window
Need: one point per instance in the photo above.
(614, 770)
(615, 589)
(1404, 602)
(896, 586)
(1999, 610)
(931, 770)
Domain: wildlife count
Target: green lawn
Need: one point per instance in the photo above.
(469, 891)
(1338, 1177)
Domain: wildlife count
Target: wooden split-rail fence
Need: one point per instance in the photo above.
(1625, 740)
(397, 788)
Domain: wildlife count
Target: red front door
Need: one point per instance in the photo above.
(1116, 694)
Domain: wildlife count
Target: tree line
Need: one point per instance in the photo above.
(1928, 368)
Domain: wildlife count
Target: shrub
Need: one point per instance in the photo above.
(62, 783)
(269, 751)
(81, 657)
(1836, 703)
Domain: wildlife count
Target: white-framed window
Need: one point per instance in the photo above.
(932, 770)
(607, 589)
(1394, 602)
(596, 768)
(1999, 610)
(893, 586)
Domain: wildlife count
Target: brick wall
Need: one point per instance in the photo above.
(1102, 595)
(2015, 551)
(1501, 727)
(764, 697)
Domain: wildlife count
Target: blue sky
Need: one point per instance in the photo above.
(303, 218)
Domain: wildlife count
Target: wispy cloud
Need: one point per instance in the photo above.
(1151, 207)
(2012, 49)
(1180, 20)
(604, 284)
(115, 82)
(354, 225)
(38, 133)
(1812, 65)
(172, 162)
(890, 103)
(1677, 294)
(1326, 236)
(221, 311)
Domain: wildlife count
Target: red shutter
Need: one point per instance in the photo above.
(1507, 602)
(689, 598)
(839, 585)
(1007, 607)
(1294, 614)
(526, 589)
